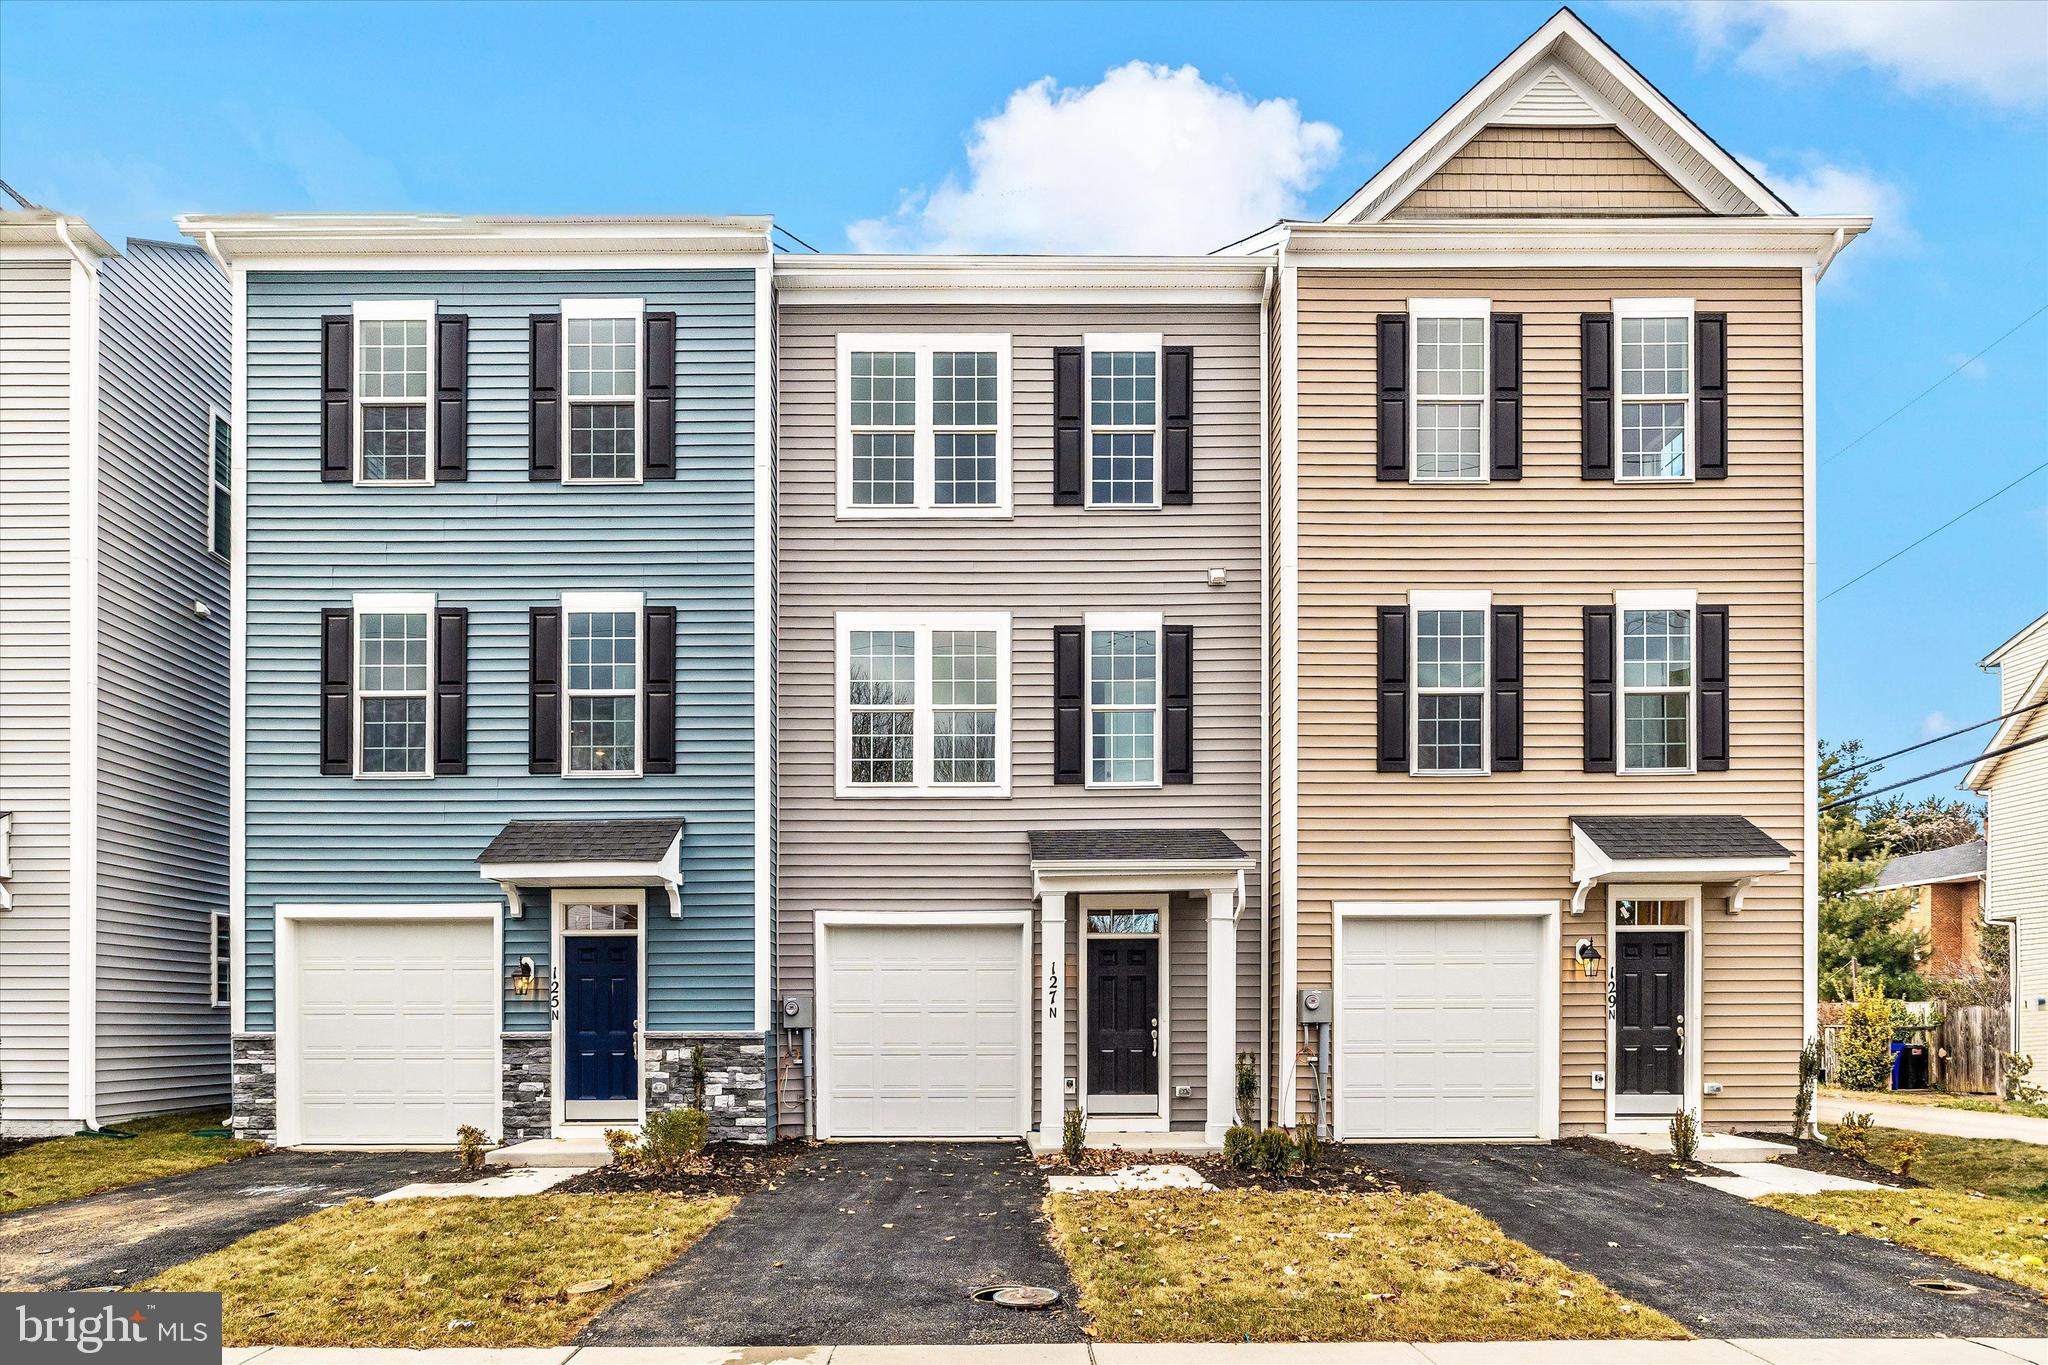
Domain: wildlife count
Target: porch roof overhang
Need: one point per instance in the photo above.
(1071, 861)
(1722, 849)
(571, 853)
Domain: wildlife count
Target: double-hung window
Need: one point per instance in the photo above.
(1450, 669)
(394, 684)
(924, 426)
(602, 635)
(220, 498)
(602, 370)
(394, 379)
(220, 960)
(1657, 676)
(1654, 338)
(1449, 363)
(1123, 699)
(924, 704)
(1123, 419)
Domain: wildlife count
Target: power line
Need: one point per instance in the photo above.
(1935, 385)
(1935, 532)
(2018, 710)
(1966, 763)
(815, 252)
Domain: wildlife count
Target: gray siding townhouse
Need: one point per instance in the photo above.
(1018, 693)
(114, 473)
(499, 769)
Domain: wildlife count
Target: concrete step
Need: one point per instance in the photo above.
(1716, 1149)
(582, 1152)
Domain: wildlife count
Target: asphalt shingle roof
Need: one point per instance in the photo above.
(1679, 836)
(1937, 865)
(582, 841)
(1133, 845)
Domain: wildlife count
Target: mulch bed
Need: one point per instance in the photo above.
(728, 1168)
(1818, 1156)
(1337, 1168)
(1656, 1165)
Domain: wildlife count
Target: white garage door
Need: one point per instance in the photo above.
(397, 1031)
(1442, 1028)
(922, 1031)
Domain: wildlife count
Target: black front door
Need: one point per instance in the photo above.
(1649, 1013)
(1123, 1016)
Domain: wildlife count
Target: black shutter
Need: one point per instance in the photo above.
(659, 398)
(544, 690)
(660, 756)
(1177, 426)
(1713, 690)
(1599, 741)
(1507, 396)
(544, 398)
(1507, 689)
(1710, 393)
(1596, 397)
(451, 397)
(1069, 714)
(451, 691)
(1069, 395)
(337, 691)
(337, 389)
(1177, 690)
(1393, 684)
(1392, 359)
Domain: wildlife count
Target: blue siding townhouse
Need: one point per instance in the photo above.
(500, 784)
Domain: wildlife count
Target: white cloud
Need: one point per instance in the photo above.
(1935, 724)
(1972, 367)
(1152, 159)
(1995, 50)
(1819, 186)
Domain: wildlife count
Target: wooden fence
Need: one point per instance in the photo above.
(1969, 1049)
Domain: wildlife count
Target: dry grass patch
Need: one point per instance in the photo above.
(443, 1272)
(2001, 1237)
(1256, 1265)
(73, 1167)
(1997, 1166)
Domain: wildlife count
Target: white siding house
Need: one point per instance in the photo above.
(2014, 785)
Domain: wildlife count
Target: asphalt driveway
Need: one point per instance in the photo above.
(1722, 1266)
(129, 1234)
(868, 1244)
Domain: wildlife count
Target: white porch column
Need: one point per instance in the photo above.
(1222, 1015)
(1052, 1024)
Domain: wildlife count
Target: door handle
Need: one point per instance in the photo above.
(1681, 1034)
(1155, 1037)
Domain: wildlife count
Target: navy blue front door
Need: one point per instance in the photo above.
(604, 1011)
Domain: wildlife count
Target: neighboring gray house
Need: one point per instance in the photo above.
(115, 478)
(1019, 749)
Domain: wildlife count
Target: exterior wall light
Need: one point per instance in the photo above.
(525, 980)
(1589, 959)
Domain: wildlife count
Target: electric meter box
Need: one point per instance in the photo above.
(1315, 1007)
(796, 1011)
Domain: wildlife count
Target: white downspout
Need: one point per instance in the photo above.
(1266, 1058)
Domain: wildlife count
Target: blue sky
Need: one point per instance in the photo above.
(920, 126)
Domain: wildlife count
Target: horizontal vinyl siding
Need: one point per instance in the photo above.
(1552, 544)
(1047, 565)
(163, 684)
(498, 544)
(35, 683)
(2016, 801)
(1516, 172)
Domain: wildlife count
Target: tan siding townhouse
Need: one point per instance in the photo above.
(1543, 623)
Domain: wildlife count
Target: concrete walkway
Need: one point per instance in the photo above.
(1932, 1118)
(1753, 1351)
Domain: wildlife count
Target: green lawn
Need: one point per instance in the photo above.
(443, 1272)
(2002, 1237)
(2015, 1170)
(1264, 1265)
(1939, 1099)
(69, 1168)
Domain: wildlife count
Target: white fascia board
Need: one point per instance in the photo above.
(1979, 773)
(313, 241)
(837, 280)
(30, 233)
(1993, 659)
(1636, 242)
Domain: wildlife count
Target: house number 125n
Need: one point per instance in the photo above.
(554, 999)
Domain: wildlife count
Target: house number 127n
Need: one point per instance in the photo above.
(1052, 991)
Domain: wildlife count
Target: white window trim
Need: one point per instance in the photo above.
(216, 920)
(215, 418)
(387, 603)
(924, 441)
(1479, 601)
(1481, 309)
(389, 310)
(1155, 342)
(1114, 1108)
(634, 602)
(635, 311)
(1100, 621)
(1655, 599)
(923, 738)
(1657, 308)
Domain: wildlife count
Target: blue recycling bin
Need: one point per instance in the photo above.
(1909, 1066)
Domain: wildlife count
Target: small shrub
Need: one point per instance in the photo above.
(1074, 1135)
(624, 1145)
(671, 1139)
(1273, 1152)
(1852, 1135)
(470, 1145)
(1237, 1146)
(1863, 1049)
(2018, 1088)
(1247, 1088)
(1907, 1149)
(1685, 1135)
(1311, 1149)
(1810, 1059)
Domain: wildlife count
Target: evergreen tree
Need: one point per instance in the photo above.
(1855, 923)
